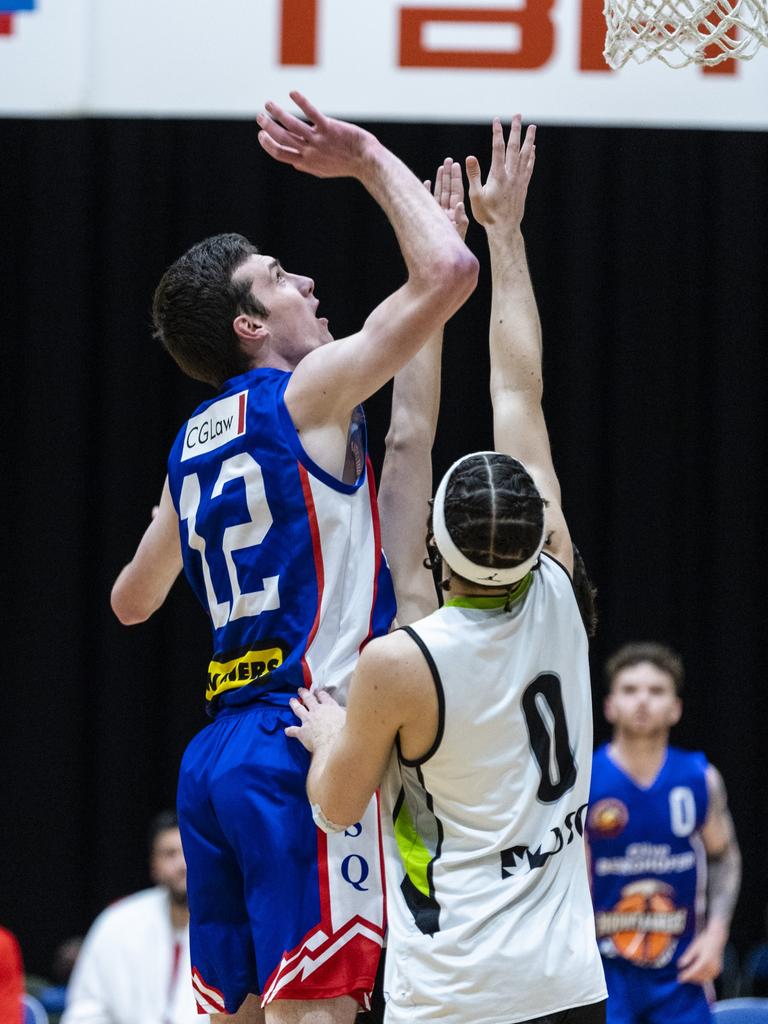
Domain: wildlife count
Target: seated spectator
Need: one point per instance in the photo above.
(134, 965)
(11, 978)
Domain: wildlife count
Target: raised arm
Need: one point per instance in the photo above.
(515, 331)
(144, 582)
(406, 475)
(442, 272)
(702, 962)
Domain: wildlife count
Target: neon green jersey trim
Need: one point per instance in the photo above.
(415, 856)
(495, 601)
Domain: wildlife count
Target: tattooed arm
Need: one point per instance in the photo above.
(703, 960)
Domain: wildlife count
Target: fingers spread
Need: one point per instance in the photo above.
(308, 108)
(473, 172)
(281, 135)
(298, 709)
(457, 185)
(513, 145)
(284, 154)
(293, 124)
(497, 148)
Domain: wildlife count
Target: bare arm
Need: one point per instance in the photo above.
(703, 960)
(143, 584)
(406, 476)
(515, 330)
(442, 272)
(391, 691)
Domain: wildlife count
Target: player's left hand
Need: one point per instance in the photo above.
(322, 719)
(702, 962)
(449, 193)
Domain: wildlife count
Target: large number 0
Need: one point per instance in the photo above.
(682, 810)
(548, 733)
(243, 535)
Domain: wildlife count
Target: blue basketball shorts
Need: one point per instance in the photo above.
(638, 995)
(277, 907)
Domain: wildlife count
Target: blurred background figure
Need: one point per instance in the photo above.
(11, 978)
(134, 965)
(51, 991)
(666, 866)
(754, 979)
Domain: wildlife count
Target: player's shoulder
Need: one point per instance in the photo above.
(130, 909)
(397, 659)
(392, 650)
(695, 761)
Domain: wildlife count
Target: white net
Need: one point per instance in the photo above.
(681, 32)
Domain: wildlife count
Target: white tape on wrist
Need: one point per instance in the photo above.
(322, 822)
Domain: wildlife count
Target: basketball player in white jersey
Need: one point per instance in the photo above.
(476, 720)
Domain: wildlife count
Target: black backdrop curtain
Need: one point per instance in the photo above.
(648, 253)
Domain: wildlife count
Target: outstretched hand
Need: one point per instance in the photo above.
(322, 719)
(449, 193)
(501, 200)
(321, 146)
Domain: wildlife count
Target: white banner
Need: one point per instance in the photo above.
(435, 60)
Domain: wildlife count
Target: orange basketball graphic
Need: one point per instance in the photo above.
(645, 924)
(608, 817)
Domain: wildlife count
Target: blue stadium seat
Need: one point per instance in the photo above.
(34, 1012)
(740, 1011)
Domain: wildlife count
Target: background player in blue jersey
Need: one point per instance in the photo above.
(270, 506)
(665, 863)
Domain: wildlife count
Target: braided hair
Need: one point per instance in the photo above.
(493, 513)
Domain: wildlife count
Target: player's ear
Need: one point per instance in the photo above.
(250, 330)
(677, 710)
(608, 710)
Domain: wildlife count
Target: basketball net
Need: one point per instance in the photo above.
(681, 32)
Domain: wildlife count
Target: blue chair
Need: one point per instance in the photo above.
(740, 1011)
(33, 1011)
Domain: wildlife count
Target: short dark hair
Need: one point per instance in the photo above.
(195, 303)
(586, 594)
(162, 822)
(493, 512)
(663, 657)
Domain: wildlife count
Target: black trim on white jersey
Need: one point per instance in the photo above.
(438, 848)
(573, 588)
(552, 558)
(440, 703)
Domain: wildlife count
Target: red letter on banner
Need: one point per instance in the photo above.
(537, 32)
(726, 67)
(6, 24)
(298, 32)
(592, 36)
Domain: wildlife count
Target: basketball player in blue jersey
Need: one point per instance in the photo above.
(270, 507)
(664, 859)
(476, 719)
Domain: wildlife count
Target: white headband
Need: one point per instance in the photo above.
(483, 575)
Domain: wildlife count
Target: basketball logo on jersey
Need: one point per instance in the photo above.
(645, 925)
(218, 424)
(608, 818)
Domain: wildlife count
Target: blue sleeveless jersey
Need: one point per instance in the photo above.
(285, 559)
(648, 860)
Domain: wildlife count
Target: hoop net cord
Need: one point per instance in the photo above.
(681, 32)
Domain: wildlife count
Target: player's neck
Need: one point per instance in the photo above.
(641, 757)
(179, 914)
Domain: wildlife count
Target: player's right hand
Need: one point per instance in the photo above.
(501, 200)
(322, 146)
